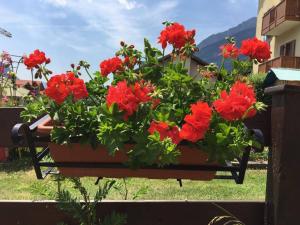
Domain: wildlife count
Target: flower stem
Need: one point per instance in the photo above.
(88, 73)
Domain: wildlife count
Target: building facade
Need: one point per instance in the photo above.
(192, 64)
(278, 22)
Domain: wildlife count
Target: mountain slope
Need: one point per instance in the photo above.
(209, 48)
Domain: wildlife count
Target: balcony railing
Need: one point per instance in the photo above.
(281, 17)
(282, 61)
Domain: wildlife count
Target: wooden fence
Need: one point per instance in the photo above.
(138, 212)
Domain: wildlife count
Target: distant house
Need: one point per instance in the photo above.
(192, 64)
(21, 89)
(278, 22)
(29, 85)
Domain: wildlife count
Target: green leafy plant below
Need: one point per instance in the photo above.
(85, 212)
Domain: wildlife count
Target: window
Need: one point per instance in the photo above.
(288, 49)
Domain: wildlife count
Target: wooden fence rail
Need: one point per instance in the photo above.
(138, 212)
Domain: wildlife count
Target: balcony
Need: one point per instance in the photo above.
(281, 18)
(282, 61)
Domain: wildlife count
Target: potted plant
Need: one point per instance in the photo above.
(9, 102)
(13, 95)
(150, 112)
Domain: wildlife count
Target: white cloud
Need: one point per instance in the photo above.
(57, 2)
(118, 20)
(242, 2)
(56, 15)
(129, 4)
(90, 27)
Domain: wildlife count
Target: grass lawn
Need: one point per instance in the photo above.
(18, 181)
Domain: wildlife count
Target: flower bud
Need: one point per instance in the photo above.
(72, 65)
(48, 61)
(131, 46)
(78, 68)
(122, 43)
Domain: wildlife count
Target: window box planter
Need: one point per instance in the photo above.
(78, 153)
(90, 162)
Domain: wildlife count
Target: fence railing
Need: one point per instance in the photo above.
(285, 10)
(282, 61)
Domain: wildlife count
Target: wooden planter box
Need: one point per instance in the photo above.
(77, 153)
(9, 116)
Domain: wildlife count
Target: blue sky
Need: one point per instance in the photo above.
(70, 30)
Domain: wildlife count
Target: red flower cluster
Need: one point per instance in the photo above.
(256, 49)
(142, 92)
(165, 131)
(197, 123)
(59, 87)
(236, 104)
(229, 51)
(176, 35)
(127, 97)
(111, 65)
(36, 58)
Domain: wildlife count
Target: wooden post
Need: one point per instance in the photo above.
(283, 181)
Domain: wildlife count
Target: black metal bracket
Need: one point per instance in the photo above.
(27, 133)
(180, 182)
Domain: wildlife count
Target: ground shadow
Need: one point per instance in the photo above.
(22, 164)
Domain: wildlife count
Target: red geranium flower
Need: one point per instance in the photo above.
(165, 131)
(197, 123)
(123, 96)
(142, 92)
(229, 51)
(34, 59)
(111, 65)
(127, 97)
(176, 35)
(236, 104)
(190, 36)
(59, 87)
(256, 49)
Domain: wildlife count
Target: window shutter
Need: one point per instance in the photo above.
(293, 48)
(282, 48)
